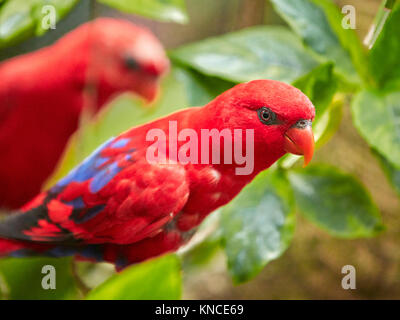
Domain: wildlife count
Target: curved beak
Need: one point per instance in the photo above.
(299, 140)
(149, 90)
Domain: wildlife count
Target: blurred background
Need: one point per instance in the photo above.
(311, 267)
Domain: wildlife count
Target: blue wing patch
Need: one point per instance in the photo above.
(120, 143)
(86, 170)
(77, 203)
(91, 167)
(104, 176)
(79, 218)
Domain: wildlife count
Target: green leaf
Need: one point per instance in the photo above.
(319, 23)
(201, 253)
(324, 128)
(205, 244)
(326, 125)
(335, 201)
(262, 52)
(23, 277)
(384, 62)
(21, 19)
(392, 173)
(348, 39)
(377, 117)
(156, 279)
(258, 225)
(163, 10)
(201, 89)
(319, 86)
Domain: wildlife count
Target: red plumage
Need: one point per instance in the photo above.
(119, 207)
(42, 95)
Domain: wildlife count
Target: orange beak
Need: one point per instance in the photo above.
(149, 90)
(299, 140)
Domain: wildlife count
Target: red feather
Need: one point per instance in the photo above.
(118, 207)
(42, 95)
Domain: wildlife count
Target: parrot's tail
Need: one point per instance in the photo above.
(16, 248)
(21, 249)
(8, 247)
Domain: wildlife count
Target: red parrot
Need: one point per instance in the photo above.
(118, 206)
(42, 95)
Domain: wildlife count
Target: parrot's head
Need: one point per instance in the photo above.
(280, 115)
(124, 57)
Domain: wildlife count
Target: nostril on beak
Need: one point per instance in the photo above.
(299, 140)
(301, 124)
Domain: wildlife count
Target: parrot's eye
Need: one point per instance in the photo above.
(130, 63)
(266, 116)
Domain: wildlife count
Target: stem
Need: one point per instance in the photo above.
(83, 288)
(379, 21)
(4, 290)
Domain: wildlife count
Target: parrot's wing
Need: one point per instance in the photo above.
(114, 196)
